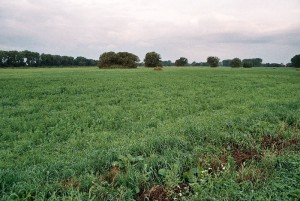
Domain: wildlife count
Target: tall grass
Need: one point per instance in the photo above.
(91, 134)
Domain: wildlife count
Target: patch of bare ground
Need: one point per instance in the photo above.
(241, 155)
(69, 184)
(278, 143)
(111, 175)
(158, 68)
(159, 193)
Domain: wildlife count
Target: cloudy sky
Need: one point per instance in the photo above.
(195, 29)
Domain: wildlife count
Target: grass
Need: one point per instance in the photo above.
(185, 133)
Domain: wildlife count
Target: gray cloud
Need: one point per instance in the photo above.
(174, 28)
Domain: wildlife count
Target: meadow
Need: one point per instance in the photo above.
(177, 134)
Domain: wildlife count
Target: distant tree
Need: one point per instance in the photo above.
(296, 61)
(213, 61)
(67, 61)
(14, 59)
(194, 63)
(182, 61)
(255, 62)
(78, 61)
(91, 62)
(2, 58)
(167, 63)
(226, 62)
(273, 65)
(34, 59)
(107, 59)
(247, 63)
(31, 58)
(152, 59)
(118, 60)
(236, 63)
(126, 59)
(56, 60)
(46, 60)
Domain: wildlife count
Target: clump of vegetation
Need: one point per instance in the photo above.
(213, 61)
(158, 68)
(118, 60)
(152, 59)
(182, 61)
(236, 63)
(296, 61)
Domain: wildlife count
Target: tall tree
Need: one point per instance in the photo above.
(126, 59)
(296, 61)
(182, 61)
(152, 59)
(107, 59)
(213, 61)
(226, 62)
(236, 63)
(118, 60)
(31, 58)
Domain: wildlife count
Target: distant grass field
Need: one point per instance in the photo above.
(180, 133)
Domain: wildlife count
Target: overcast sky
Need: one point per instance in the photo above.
(195, 29)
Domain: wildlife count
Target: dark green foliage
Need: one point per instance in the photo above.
(127, 59)
(248, 63)
(273, 65)
(296, 61)
(213, 61)
(194, 63)
(167, 63)
(118, 60)
(152, 59)
(236, 63)
(33, 59)
(182, 61)
(227, 62)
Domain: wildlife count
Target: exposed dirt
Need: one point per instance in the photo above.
(158, 193)
(112, 174)
(278, 143)
(70, 183)
(213, 163)
(241, 155)
(157, 68)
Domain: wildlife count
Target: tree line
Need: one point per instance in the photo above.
(34, 59)
(124, 60)
(153, 59)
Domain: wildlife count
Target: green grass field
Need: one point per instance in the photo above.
(180, 133)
